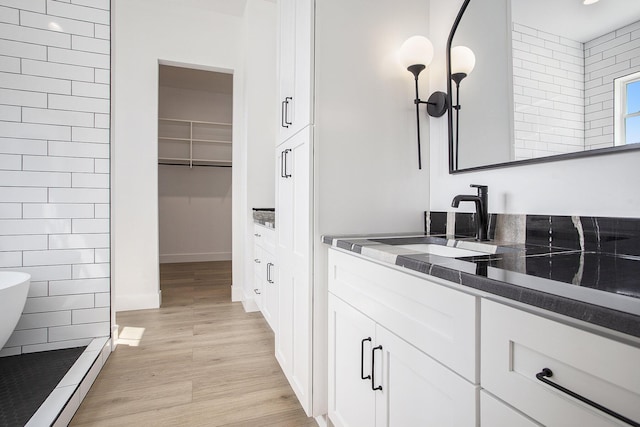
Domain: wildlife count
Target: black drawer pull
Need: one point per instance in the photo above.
(286, 173)
(373, 368)
(368, 377)
(269, 265)
(286, 111)
(547, 373)
(257, 261)
(283, 114)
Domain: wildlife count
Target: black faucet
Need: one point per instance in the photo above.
(482, 210)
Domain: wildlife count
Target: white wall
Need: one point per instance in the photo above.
(54, 168)
(602, 186)
(194, 204)
(367, 177)
(260, 118)
(146, 32)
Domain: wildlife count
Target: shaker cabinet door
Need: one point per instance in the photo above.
(351, 338)
(417, 391)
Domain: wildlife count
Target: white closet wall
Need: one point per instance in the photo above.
(194, 204)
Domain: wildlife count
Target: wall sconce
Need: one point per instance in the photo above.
(416, 54)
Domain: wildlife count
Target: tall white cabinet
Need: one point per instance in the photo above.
(293, 253)
(295, 66)
(294, 198)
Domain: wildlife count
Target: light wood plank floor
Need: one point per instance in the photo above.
(202, 361)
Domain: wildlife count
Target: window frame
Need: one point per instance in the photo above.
(620, 107)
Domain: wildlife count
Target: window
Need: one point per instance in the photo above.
(627, 109)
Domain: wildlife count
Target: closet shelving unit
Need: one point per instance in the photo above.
(194, 143)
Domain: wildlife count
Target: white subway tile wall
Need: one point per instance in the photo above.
(548, 87)
(54, 167)
(608, 57)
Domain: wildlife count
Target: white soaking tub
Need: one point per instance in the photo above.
(14, 287)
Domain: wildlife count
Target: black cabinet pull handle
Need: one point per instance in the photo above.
(547, 373)
(283, 114)
(269, 265)
(285, 153)
(257, 261)
(286, 111)
(368, 377)
(257, 292)
(373, 368)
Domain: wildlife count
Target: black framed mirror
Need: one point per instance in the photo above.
(553, 80)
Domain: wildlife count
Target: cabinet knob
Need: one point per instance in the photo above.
(257, 261)
(257, 235)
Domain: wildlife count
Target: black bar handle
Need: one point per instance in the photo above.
(283, 112)
(286, 111)
(257, 260)
(284, 155)
(283, 164)
(373, 368)
(269, 265)
(368, 377)
(547, 373)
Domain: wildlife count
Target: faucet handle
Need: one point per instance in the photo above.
(481, 188)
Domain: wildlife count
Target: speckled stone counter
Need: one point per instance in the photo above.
(593, 280)
(265, 216)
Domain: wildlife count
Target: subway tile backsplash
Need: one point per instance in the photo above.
(54, 167)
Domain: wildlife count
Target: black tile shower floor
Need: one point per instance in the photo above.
(27, 380)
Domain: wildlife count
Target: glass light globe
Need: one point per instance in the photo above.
(462, 60)
(416, 50)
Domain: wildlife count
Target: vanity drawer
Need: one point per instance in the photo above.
(264, 237)
(437, 320)
(494, 413)
(517, 345)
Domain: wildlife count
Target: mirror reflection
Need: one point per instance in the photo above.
(552, 78)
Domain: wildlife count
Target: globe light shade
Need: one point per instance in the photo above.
(462, 60)
(416, 50)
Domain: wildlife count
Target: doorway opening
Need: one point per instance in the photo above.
(194, 169)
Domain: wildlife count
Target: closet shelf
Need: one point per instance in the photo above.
(214, 141)
(176, 161)
(194, 142)
(165, 119)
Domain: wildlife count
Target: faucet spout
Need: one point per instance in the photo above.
(482, 209)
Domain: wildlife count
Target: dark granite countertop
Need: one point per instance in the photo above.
(265, 216)
(595, 287)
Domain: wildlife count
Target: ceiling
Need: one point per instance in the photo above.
(189, 78)
(574, 20)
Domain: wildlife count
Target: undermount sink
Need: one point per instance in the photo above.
(444, 247)
(440, 250)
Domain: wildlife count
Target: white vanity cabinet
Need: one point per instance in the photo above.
(400, 348)
(517, 347)
(295, 65)
(265, 274)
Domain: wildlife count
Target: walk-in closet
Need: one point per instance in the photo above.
(194, 164)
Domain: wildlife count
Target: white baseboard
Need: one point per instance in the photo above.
(236, 293)
(199, 257)
(249, 304)
(137, 302)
